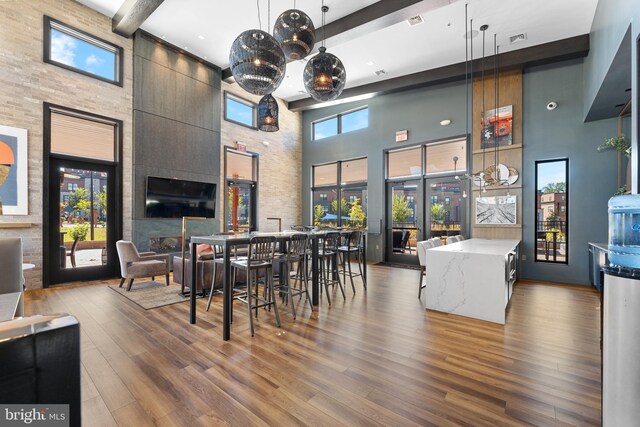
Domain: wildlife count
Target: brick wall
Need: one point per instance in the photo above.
(280, 167)
(26, 82)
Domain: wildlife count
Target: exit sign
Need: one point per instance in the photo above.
(402, 135)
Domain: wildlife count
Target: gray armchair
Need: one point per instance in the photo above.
(136, 265)
(11, 279)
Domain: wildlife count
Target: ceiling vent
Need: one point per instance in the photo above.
(381, 73)
(518, 38)
(416, 20)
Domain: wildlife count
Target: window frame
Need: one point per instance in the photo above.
(339, 124)
(339, 187)
(118, 51)
(241, 100)
(567, 210)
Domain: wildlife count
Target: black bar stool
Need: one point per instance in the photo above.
(328, 258)
(297, 252)
(352, 246)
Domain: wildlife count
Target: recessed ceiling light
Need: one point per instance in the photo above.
(201, 37)
(186, 48)
(445, 122)
(205, 57)
(370, 63)
(163, 37)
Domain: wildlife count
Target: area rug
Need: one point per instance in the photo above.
(398, 265)
(150, 295)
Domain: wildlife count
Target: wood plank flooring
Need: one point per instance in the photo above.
(377, 358)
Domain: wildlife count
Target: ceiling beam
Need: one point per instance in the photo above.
(132, 15)
(374, 17)
(571, 48)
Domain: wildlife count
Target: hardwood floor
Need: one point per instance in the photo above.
(377, 359)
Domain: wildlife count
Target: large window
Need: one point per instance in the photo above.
(342, 123)
(552, 211)
(75, 50)
(340, 194)
(239, 110)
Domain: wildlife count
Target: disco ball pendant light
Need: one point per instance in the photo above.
(257, 62)
(324, 75)
(268, 114)
(295, 32)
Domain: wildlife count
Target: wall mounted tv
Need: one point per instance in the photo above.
(175, 198)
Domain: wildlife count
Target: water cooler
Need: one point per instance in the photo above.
(621, 316)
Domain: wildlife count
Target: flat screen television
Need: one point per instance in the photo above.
(175, 198)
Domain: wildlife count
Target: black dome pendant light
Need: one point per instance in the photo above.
(268, 114)
(295, 32)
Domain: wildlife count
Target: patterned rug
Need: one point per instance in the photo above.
(150, 295)
(398, 265)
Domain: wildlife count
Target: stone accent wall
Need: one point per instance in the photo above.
(280, 162)
(26, 82)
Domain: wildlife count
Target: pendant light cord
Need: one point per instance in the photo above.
(324, 31)
(269, 16)
(498, 91)
(259, 19)
(495, 102)
(466, 69)
(484, 146)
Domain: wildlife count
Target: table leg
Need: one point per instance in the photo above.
(315, 283)
(364, 256)
(227, 290)
(192, 293)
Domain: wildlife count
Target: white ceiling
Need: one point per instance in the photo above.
(207, 29)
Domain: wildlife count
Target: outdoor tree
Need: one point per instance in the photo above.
(554, 187)
(318, 213)
(400, 209)
(357, 216)
(339, 207)
(79, 200)
(438, 212)
(102, 201)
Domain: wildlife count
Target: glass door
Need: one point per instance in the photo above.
(404, 220)
(83, 227)
(447, 207)
(240, 207)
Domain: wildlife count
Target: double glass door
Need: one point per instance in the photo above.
(83, 221)
(410, 219)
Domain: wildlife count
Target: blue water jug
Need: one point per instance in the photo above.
(624, 231)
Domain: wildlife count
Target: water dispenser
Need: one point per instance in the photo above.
(624, 231)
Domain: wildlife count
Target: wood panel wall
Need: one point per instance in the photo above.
(510, 93)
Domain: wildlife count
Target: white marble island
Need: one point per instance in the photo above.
(472, 278)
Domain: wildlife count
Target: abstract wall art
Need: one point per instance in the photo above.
(14, 190)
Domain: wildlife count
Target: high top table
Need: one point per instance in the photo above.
(229, 241)
(472, 278)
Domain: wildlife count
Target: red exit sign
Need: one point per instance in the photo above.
(402, 135)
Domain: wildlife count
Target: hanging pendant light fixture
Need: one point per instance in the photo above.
(324, 75)
(257, 61)
(268, 114)
(295, 32)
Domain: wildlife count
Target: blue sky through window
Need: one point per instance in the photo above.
(239, 112)
(356, 120)
(325, 128)
(551, 173)
(82, 55)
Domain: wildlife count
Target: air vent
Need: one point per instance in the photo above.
(415, 20)
(518, 38)
(381, 73)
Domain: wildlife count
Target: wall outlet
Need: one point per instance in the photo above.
(377, 247)
(524, 257)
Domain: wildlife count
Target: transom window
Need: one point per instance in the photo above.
(240, 111)
(75, 50)
(435, 159)
(342, 123)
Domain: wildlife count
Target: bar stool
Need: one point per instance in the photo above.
(436, 241)
(328, 258)
(422, 257)
(352, 246)
(260, 257)
(218, 252)
(296, 253)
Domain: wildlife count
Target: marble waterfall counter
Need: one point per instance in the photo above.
(472, 278)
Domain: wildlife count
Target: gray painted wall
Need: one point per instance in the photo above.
(176, 131)
(418, 111)
(546, 134)
(610, 23)
(592, 174)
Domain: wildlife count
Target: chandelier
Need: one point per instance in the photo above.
(324, 75)
(295, 32)
(257, 61)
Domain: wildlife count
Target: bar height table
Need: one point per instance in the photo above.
(229, 241)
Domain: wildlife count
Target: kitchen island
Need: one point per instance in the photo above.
(472, 278)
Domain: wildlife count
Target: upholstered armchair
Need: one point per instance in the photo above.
(136, 265)
(11, 279)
